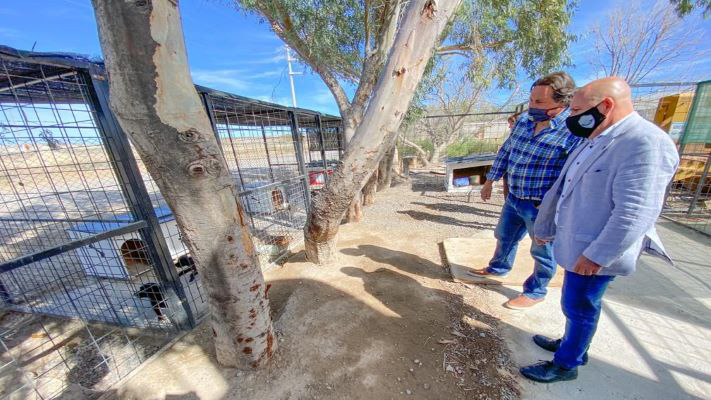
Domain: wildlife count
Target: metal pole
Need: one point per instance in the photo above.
(266, 148)
(322, 143)
(291, 76)
(298, 146)
(700, 186)
(133, 187)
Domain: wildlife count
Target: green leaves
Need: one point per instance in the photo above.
(686, 7)
(509, 36)
(514, 34)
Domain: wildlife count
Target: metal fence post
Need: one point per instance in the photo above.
(298, 147)
(700, 186)
(133, 187)
(322, 143)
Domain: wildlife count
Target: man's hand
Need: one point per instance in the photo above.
(540, 241)
(486, 190)
(586, 267)
(506, 187)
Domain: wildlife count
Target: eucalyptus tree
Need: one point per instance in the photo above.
(351, 45)
(156, 104)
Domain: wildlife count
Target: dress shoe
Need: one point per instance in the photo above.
(552, 345)
(548, 372)
(522, 302)
(485, 272)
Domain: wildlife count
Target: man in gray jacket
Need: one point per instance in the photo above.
(600, 213)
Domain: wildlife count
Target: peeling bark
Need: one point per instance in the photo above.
(414, 42)
(355, 210)
(370, 188)
(385, 170)
(157, 105)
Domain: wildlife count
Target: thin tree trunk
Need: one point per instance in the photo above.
(370, 188)
(355, 210)
(156, 103)
(421, 153)
(420, 28)
(385, 170)
(437, 153)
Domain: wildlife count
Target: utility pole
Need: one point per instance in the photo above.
(291, 75)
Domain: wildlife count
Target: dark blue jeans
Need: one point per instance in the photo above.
(581, 303)
(517, 217)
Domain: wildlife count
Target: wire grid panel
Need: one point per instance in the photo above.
(258, 144)
(93, 293)
(685, 113)
(54, 169)
(179, 253)
(455, 135)
(59, 186)
(332, 131)
(47, 358)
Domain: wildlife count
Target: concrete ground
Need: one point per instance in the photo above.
(653, 338)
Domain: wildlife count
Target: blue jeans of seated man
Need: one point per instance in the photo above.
(581, 302)
(517, 218)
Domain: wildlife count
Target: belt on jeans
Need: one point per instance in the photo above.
(536, 202)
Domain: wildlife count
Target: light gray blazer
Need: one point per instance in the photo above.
(609, 208)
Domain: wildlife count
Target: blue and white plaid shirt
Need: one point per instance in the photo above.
(533, 163)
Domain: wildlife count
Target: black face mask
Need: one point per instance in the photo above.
(583, 124)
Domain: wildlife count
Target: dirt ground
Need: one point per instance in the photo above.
(384, 322)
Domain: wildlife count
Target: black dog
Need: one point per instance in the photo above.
(152, 292)
(186, 265)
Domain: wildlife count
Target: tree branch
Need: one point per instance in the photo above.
(284, 29)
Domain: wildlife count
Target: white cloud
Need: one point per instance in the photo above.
(225, 78)
(278, 55)
(323, 97)
(235, 79)
(9, 33)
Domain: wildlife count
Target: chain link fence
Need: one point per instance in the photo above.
(676, 107)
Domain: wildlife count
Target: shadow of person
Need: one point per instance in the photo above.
(417, 265)
(401, 260)
(459, 208)
(445, 220)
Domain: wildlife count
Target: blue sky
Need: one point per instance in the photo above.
(237, 53)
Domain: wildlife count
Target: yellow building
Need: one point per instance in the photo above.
(672, 112)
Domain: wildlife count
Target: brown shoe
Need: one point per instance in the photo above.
(522, 302)
(484, 272)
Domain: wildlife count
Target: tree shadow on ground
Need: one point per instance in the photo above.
(417, 265)
(443, 219)
(459, 208)
(330, 333)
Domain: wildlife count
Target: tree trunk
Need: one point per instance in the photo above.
(385, 170)
(396, 167)
(370, 188)
(421, 153)
(437, 153)
(420, 28)
(355, 210)
(156, 103)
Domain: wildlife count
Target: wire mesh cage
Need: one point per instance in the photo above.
(94, 274)
(437, 137)
(71, 243)
(684, 111)
(264, 154)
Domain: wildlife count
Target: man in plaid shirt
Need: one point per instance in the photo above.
(531, 160)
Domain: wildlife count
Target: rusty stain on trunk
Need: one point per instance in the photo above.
(399, 72)
(430, 9)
